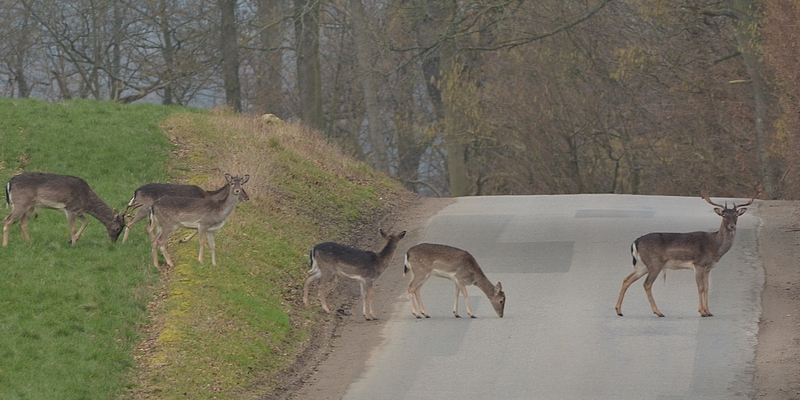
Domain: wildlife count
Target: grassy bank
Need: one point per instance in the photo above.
(225, 331)
(69, 315)
(195, 331)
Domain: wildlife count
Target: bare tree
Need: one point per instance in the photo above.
(306, 23)
(229, 50)
(364, 49)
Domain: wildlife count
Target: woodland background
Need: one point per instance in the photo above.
(458, 97)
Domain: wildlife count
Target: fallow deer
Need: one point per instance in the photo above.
(146, 195)
(329, 259)
(700, 251)
(31, 190)
(207, 216)
(426, 259)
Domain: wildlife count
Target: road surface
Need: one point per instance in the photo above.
(561, 261)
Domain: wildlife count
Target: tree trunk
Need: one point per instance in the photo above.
(377, 140)
(269, 92)
(747, 42)
(167, 51)
(442, 58)
(229, 47)
(309, 82)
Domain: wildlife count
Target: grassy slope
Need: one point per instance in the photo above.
(69, 315)
(213, 331)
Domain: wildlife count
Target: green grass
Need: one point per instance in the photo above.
(69, 314)
(229, 329)
(97, 320)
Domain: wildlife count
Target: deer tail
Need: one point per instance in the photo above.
(313, 264)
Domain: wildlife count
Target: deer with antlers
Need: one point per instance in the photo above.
(699, 251)
(31, 190)
(207, 216)
(144, 197)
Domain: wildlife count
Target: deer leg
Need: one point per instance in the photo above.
(701, 276)
(314, 274)
(418, 296)
(213, 246)
(648, 285)
(421, 306)
(163, 247)
(366, 311)
(706, 286)
(325, 278)
(6, 224)
(14, 216)
(154, 254)
(71, 223)
(23, 223)
(154, 250)
(150, 226)
(188, 238)
(321, 294)
(161, 238)
(84, 222)
(626, 283)
(413, 298)
(466, 300)
(455, 306)
(371, 298)
(202, 239)
(414, 291)
(141, 214)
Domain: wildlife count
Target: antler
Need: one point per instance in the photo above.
(759, 188)
(704, 195)
(130, 208)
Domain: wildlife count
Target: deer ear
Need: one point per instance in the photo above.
(719, 212)
(498, 288)
(245, 178)
(228, 177)
(401, 235)
(740, 211)
(380, 230)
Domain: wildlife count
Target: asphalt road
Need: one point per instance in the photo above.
(561, 260)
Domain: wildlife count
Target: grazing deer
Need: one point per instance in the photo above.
(146, 195)
(426, 259)
(699, 251)
(72, 195)
(207, 216)
(329, 259)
